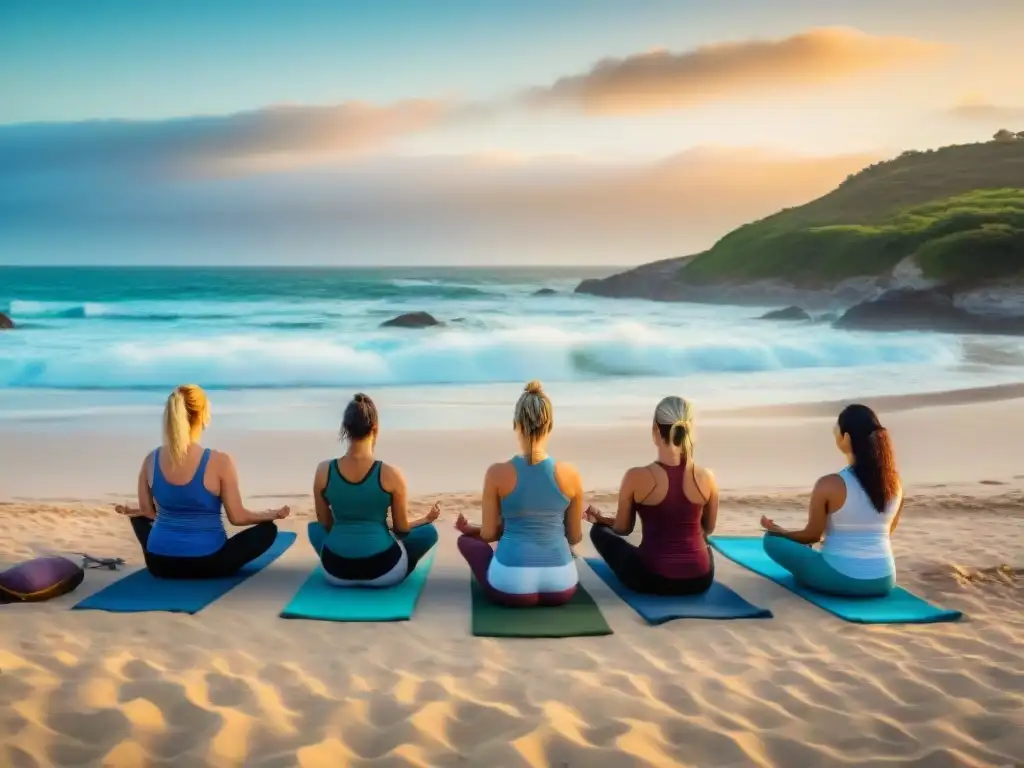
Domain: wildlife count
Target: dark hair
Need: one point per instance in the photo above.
(360, 419)
(874, 461)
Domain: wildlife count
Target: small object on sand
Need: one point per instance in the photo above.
(42, 578)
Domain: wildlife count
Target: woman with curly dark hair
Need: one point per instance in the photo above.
(856, 510)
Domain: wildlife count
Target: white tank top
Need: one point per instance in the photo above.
(857, 535)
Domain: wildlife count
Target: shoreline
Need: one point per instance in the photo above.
(947, 438)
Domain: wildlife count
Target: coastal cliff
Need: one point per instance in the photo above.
(948, 220)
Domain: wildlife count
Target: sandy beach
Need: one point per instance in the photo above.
(237, 686)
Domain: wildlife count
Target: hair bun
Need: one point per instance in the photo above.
(534, 387)
(359, 397)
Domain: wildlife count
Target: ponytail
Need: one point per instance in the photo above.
(874, 458)
(177, 430)
(674, 418)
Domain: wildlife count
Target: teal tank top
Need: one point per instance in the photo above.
(360, 514)
(534, 519)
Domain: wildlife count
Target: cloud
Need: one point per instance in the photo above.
(258, 138)
(420, 210)
(663, 80)
(977, 109)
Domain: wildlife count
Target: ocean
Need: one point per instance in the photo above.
(285, 348)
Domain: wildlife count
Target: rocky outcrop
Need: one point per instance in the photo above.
(412, 320)
(789, 313)
(925, 310)
(6, 324)
(545, 292)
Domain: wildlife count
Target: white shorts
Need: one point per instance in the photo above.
(395, 576)
(531, 580)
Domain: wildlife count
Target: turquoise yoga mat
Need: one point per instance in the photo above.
(140, 591)
(319, 599)
(898, 607)
(719, 602)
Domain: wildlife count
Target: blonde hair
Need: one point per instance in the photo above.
(534, 414)
(187, 411)
(674, 419)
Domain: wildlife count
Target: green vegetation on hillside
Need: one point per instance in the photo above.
(958, 210)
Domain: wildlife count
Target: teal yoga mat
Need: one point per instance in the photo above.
(140, 591)
(320, 600)
(719, 602)
(898, 607)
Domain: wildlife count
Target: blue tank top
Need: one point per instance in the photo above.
(188, 521)
(534, 519)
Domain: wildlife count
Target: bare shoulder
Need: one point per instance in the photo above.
(221, 459)
(705, 478)
(567, 476)
(390, 475)
(830, 485)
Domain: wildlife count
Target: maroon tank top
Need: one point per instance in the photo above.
(672, 543)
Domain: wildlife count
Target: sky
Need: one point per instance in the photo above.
(460, 132)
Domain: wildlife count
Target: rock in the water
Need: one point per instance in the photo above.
(412, 320)
(6, 324)
(545, 292)
(924, 310)
(789, 313)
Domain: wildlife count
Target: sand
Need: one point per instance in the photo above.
(236, 686)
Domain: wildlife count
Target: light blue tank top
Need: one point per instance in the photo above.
(534, 519)
(188, 520)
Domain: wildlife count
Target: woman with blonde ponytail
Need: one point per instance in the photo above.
(532, 508)
(182, 488)
(855, 510)
(677, 503)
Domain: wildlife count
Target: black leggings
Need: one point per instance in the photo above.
(244, 547)
(625, 561)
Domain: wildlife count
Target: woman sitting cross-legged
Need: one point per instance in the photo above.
(532, 508)
(677, 503)
(856, 510)
(181, 489)
(352, 496)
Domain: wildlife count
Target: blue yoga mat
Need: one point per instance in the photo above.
(719, 602)
(319, 599)
(140, 591)
(898, 607)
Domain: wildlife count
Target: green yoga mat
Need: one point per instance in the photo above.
(320, 600)
(578, 618)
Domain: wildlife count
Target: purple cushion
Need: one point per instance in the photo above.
(41, 579)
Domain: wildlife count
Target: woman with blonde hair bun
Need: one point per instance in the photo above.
(532, 508)
(677, 503)
(182, 487)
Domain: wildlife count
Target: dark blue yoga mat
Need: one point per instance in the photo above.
(140, 591)
(898, 607)
(719, 602)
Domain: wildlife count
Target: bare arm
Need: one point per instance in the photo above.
(817, 514)
(490, 527)
(625, 517)
(323, 509)
(393, 481)
(146, 506)
(709, 518)
(231, 496)
(896, 517)
(571, 484)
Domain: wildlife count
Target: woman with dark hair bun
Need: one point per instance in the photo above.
(352, 496)
(856, 510)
